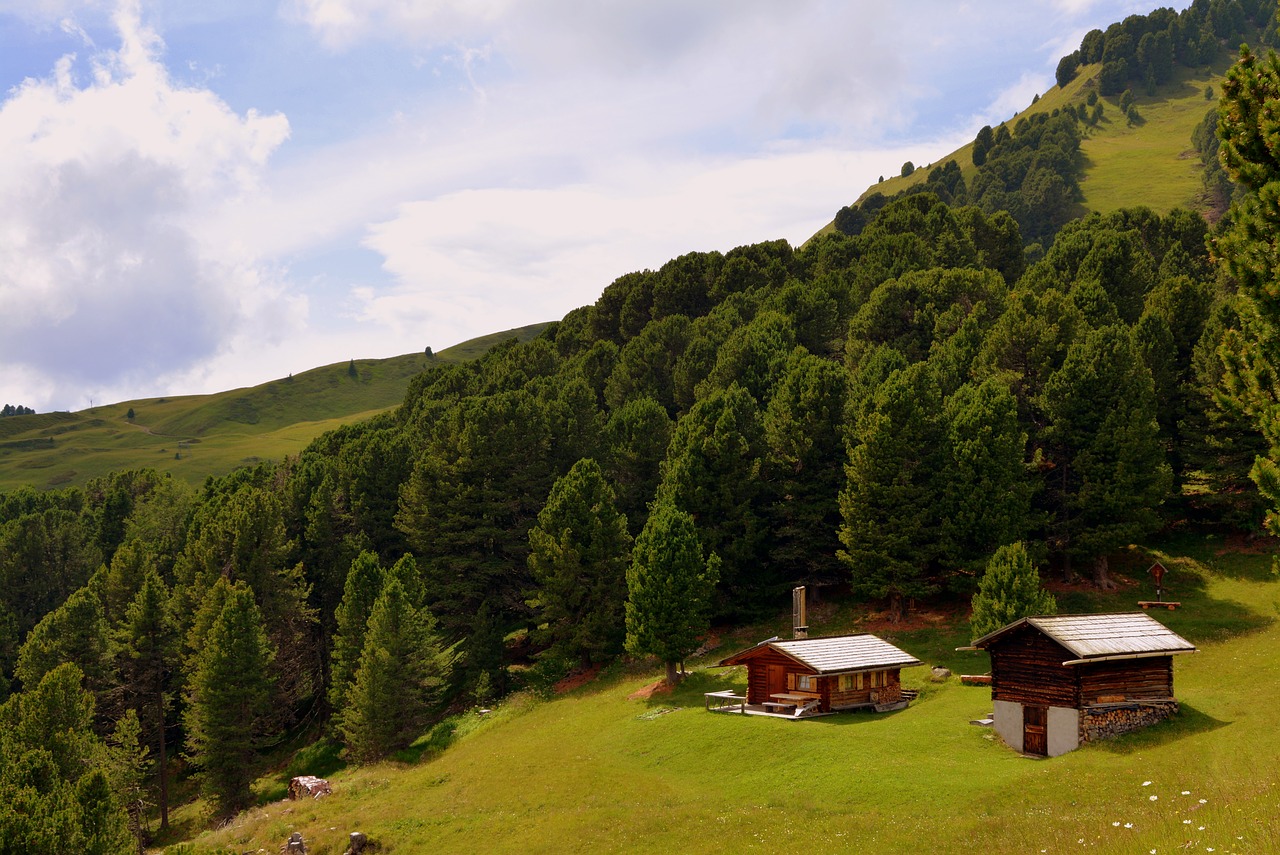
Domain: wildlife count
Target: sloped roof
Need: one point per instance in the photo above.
(1131, 634)
(840, 654)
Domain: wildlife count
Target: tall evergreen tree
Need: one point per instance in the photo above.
(578, 555)
(712, 472)
(889, 503)
(229, 695)
(148, 643)
(1250, 251)
(364, 585)
(804, 434)
(1110, 475)
(402, 670)
(669, 589)
(986, 490)
(467, 508)
(637, 435)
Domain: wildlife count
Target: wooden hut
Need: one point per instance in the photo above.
(819, 675)
(1060, 680)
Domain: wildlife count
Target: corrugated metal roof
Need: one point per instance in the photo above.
(1092, 636)
(845, 653)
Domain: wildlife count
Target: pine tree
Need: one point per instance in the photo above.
(712, 472)
(55, 795)
(1250, 251)
(804, 433)
(74, 632)
(578, 555)
(401, 672)
(1010, 590)
(987, 490)
(148, 642)
(889, 504)
(1109, 473)
(228, 696)
(364, 585)
(670, 587)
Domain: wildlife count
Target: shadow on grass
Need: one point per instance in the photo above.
(321, 759)
(437, 740)
(1201, 618)
(1188, 721)
(691, 691)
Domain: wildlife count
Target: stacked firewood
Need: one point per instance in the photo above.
(1104, 722)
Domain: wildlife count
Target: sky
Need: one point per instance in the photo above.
(198, 196)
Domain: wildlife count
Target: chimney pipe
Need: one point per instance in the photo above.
(799, 623)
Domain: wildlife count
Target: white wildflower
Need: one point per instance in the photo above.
(1153, 798)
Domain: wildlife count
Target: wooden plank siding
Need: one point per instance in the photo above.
(1026, 668)
(1132, 680)
(758, 674)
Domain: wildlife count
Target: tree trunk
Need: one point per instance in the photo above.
(897, 607)
(1101, 578)
(673, 674)
(163, 760)
(1068, 572)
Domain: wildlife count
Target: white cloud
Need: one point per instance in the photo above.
(106, 277)
(478, 261)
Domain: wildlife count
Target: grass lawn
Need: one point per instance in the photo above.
(596, 770)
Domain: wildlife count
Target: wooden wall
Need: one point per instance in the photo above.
(853, 697)
(1127, 679)
(758, 674)
(1026, 668)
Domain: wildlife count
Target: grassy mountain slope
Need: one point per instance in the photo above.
(1157, 149)
(195, 436)
(600, 771)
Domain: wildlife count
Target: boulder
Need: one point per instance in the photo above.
(940, 673)
(358, 843)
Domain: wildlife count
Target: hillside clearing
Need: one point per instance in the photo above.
(601, 772)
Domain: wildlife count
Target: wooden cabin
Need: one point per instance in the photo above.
(821, 675)
(1060, 680)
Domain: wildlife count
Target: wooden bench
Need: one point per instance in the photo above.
(1150, 604)
(778, 706)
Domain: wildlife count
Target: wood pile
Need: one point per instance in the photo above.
(308, 786)
(1103, 721)
(889, 694)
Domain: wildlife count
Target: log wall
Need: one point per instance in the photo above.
(1128, 680)
(1026, 668)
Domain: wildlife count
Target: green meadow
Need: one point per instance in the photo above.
(596, 769)
(1151, 162)
(196, 436)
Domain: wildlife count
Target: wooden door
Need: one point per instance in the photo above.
(1035, 721)
(775, 681)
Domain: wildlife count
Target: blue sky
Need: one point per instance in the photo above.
(205, 195)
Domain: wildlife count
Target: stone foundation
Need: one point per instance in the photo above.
(1104, 721)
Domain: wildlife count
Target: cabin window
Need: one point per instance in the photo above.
(804, 682)
(846, 682)
(877, 679)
